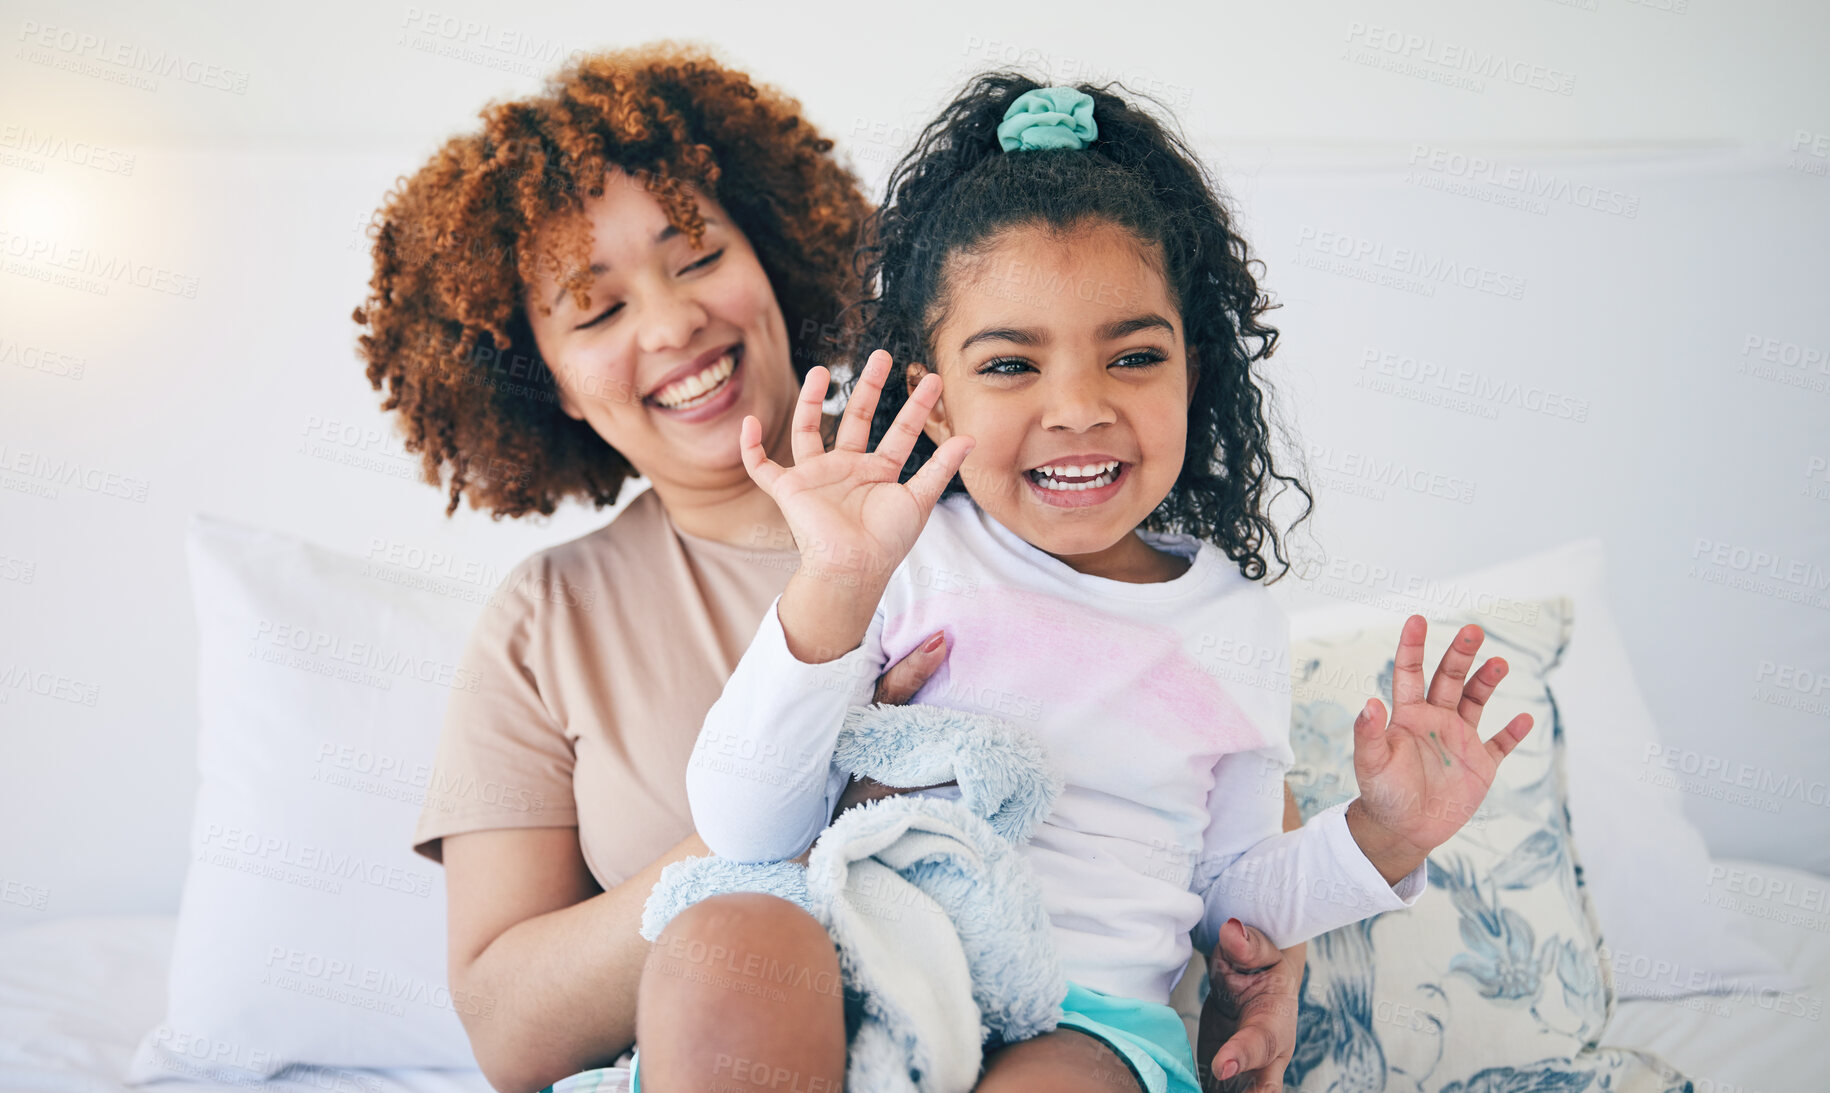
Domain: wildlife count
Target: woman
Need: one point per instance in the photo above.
(601, 284)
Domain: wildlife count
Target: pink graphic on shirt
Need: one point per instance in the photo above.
(1020, 655)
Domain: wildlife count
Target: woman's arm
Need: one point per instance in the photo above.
(545, 962)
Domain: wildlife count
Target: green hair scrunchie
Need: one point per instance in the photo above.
(1048, 117)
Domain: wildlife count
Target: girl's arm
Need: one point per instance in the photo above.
(1292, 885)
(1420, 778)
(760, 781)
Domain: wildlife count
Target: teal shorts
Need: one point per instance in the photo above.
(590, 1081)
(1151, 1038)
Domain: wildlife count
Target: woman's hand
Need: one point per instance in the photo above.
(1422, 777)
(852, 519)
(894, 688)
(1251, 1006)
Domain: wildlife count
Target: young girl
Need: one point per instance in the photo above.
(1069, 482)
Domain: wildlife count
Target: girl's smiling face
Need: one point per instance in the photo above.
(1062, 355)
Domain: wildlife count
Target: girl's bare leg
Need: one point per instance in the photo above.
(1066, 1060)
(742, 990)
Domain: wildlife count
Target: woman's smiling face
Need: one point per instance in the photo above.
(1062, 355)
(677, 343)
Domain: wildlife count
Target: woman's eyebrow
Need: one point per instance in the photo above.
(598, 269)
(670, 231)
(1112, 331)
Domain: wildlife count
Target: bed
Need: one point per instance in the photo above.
(86, 1001)
(77, 994)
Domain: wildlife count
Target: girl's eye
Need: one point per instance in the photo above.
(601, 316)
(706, 261)
(1012, 366)
(1144, 358)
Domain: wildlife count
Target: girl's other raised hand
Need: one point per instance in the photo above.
(1423, 775)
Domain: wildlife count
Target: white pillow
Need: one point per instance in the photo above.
(309, 931)
(1647, 865)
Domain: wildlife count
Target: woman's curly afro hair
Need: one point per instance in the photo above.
(956, 190)
(455, 244)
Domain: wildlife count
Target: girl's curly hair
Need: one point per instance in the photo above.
(956, 190)
(455, 244)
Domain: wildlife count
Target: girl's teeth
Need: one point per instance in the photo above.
(1046, 477)
(1065, 471)
(686, 393)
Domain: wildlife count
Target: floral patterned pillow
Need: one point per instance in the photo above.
(1493, 981)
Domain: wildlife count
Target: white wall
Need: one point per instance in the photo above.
(231, 394)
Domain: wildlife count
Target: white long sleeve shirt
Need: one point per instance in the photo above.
(1165, 706)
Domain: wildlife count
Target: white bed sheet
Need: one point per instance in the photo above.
(77, 994)
(1746, 1044)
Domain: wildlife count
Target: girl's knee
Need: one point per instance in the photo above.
(770, 921)
(742, 948)
(742, 983)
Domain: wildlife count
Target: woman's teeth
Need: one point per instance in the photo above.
(698, 388)
(1068, 477)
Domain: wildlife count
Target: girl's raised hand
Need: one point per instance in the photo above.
(850, 516)
(1422, 777)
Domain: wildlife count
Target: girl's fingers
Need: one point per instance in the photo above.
(855, 427)
(763, 470)
(1480, 687)
(808, 444)
(1446, 684)
(1508, 738)
(1407, 665)
(900, 439)
(928, 483)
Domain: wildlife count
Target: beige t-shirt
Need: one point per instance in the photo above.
(596, 663)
